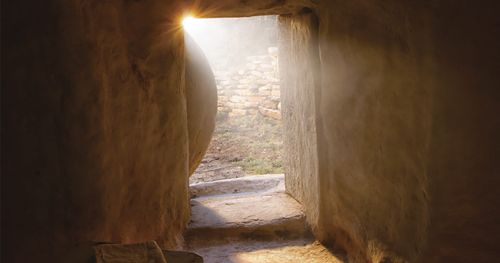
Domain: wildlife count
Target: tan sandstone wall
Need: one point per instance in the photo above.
(300, 81)
(94, 132)
(409, 143)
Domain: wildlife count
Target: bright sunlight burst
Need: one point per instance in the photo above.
(189, 23)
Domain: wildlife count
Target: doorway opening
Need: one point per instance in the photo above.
(243, 55)
(240, 209)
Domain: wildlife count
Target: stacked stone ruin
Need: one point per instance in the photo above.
(252, 88)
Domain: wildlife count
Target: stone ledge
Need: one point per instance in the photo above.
(256, 183)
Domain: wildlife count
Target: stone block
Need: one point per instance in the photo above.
(269, 104)
(237, 99)
(251, 104)
(265, 93)
(237, 112)
(147, 252)
(243, 92)
(252, 111)
(255, 98)
(275, 114)
(265, 88)
(274, 98)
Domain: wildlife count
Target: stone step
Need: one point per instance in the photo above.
(280, 251)
(247, 184)
(262, 211)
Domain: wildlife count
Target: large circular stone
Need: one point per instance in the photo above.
(201, 97)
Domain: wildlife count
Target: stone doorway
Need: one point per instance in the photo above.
(243, 55)
(240, 209)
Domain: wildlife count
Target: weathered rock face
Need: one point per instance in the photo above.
(94, 126)
(148, 252)
(300, 80)
(407, 141)
(201, 97)
(376, 113)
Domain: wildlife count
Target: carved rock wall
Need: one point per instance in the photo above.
(407, 133)
(94, 126)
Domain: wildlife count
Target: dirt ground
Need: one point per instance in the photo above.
(242, 145)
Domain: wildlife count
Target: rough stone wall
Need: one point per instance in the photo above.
(463, 168)
(252, 88)
(94, 133)
(300, 81)
(376, 112)
(408, 147)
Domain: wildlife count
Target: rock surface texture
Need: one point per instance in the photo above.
(407, 114)
(299, 71)
(252, 88)
(94, 126)
(148, 252)
(229, 209)
(250, 219)
(143, 252)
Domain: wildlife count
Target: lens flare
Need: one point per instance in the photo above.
(189, 22)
